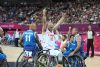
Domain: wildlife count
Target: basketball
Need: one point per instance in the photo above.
(59, 65)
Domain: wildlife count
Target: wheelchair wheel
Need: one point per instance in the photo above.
(20, 60)
(76, 61)
(24, 62)
(65, 62)
(4, 63)
(80, 61)
(42, 60)
(27, 63)
(53, 61)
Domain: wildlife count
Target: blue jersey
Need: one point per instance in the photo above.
(71, 46)
(81, 51)
(29, 40)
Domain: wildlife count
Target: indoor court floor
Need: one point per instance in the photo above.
(13, 53)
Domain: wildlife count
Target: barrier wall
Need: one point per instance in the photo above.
(63, 28)
(10, 26)
(82, 27)
(96, 42)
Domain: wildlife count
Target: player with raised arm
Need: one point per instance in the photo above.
(49, 29)
(76, 44)
(49, 32)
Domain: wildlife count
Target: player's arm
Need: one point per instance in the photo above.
(57, 32)
(38, 42)
(69, 32)
(44, 21)
(63, 45)
(78, 45)
(93, 34)
(60, 21)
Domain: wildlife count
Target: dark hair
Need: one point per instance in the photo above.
(71, 36)
(64, 36)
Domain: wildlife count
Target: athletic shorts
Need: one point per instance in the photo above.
(34, 50)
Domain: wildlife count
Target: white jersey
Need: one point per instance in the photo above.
(90, 35)
(48, 40)
(50, 35)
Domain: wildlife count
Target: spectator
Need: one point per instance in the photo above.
(78, 11)
(16, 34)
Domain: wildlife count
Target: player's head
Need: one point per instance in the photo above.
(89, 27)
(63, 37)
(50, 26)
(74, 31)
(32, 26)
(1, 31)
(71, 38)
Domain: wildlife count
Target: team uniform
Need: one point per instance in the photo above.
(49, 41)
(72, 46)
(29, 41)
(2, 56)
(81, 50)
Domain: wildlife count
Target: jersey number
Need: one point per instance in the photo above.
(27, 37)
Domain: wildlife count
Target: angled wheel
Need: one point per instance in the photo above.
(76, 61)
(20, 60)
(23, 61)
(52, 61)
(65, 62)
(42, 60)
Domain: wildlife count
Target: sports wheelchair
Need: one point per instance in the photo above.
(73, 61)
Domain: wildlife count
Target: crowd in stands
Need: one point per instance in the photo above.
(78, 12)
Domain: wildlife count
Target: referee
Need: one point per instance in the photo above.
(90, 40)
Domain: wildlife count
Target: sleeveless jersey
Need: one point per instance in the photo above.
(29, 40)
(49, 40)
(81, 51)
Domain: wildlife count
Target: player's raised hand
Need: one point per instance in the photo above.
(70, 28)
(44, 11)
